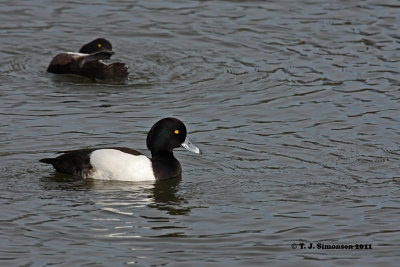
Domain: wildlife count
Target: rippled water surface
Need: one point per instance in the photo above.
(295, 105)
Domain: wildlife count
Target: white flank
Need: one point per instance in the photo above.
(112, 164)
(76, 54)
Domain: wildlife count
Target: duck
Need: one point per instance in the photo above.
(126, 164)
(88, 62)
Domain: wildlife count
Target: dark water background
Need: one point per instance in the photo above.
(295, 105)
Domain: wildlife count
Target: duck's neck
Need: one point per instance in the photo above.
(166, 166)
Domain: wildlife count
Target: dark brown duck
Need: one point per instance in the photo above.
(88, 62)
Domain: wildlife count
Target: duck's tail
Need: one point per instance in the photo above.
(117, 70)
(47, 160)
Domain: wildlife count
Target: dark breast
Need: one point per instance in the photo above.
(166, 167)
(65, 63)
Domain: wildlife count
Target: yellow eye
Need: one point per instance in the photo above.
(98, 45)
(176, 132)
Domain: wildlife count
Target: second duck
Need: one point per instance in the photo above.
(88, 62)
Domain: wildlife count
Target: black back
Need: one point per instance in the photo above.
(76, 162)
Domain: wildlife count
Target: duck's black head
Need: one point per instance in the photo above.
(100, 44)
(167, 134)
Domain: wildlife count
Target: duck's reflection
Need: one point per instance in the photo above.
(166, 197)
(60, 181)
(162, 195)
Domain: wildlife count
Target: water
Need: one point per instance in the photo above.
(295, 105)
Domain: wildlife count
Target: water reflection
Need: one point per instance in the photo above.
(166, 197)
(161, 195)
(121, 210)
(60, 181)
